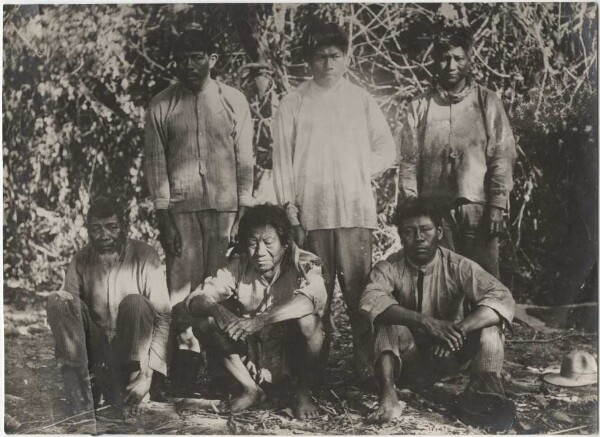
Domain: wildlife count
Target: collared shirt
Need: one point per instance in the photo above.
(198, 152)
(300, 272)
(457, 150)
(137, 271)
(327, 144)
(451, 282)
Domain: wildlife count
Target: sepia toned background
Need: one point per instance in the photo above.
(77, 80)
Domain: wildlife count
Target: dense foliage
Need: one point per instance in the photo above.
(78, 77)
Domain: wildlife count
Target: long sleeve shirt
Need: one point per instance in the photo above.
(198, 151)
(299, 272)
(327, 145)
(463, 150)
(451, 286)
(138, 271)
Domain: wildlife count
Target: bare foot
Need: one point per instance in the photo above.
(390, 409)
(247, 399)
(305, 407)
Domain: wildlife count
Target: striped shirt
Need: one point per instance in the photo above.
(198, 152)
(138, 271)
(327, 144)
(450, 282)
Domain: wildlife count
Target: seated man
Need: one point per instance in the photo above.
(112, 316)
(434, 312)
(261, 313)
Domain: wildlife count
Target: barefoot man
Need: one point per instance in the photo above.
(262, 312)
(434, 313)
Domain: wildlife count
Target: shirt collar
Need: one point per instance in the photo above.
(339, 84)
(121, 252)
(453, 98)
(426, 269)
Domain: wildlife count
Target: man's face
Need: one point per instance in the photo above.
(265, 249)
(420, 239)
(193, 68)
(328, 64)
(106, 235)
(452, 66)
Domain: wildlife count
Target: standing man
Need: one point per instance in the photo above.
(199, 165)
(458, 151)
(112, 316)
(329, 139)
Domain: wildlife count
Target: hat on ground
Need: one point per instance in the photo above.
(577, 368)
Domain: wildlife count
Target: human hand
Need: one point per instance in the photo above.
(240, 329)
(299, 236)
(495, 223)
(233, 235)
(138, 387)
(450, 335)
(170, 239)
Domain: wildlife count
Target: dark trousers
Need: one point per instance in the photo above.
(465, 234)
(81, 343)
(346, 253)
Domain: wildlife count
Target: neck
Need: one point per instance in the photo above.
(457, 88)
(327, 84)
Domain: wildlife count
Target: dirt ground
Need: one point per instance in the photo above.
(34, 400)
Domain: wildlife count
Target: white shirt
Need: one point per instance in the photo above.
(327, 144)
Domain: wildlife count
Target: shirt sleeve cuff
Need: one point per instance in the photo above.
(292, 213)
(161, 204)
(505, 313)
(499, 201)
(246, 201)
(377, 306)
(318, 301)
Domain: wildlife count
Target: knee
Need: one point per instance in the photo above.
(310, 326)
(59, 302)
(491, 338)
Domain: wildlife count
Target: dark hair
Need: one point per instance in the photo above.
(103, 207)
(417, 208)
(452, 37)
(320, 34)
(194, 39)
(263, 215)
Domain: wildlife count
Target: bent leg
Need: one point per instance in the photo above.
(391, 343)
(208, 333)
(68, 320)
(312, 336)
(489, 353)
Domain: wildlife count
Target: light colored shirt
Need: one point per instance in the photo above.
(451, 282)
(462, 150)
(137, 271)
(299, 272)
(198, 152)
(327, 144)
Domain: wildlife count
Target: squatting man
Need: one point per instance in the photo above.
(111, 319)
(261, 313)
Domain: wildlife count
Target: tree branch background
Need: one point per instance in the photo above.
(77, 79)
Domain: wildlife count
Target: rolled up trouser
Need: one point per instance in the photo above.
(483, 351)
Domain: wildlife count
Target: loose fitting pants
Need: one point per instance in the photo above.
(465, 234)
(346, 253)
(482, 351)
(204, 243)
(80, 342)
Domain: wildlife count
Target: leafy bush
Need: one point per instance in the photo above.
(78, 77)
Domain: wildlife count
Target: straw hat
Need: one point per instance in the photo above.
(577, 368)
